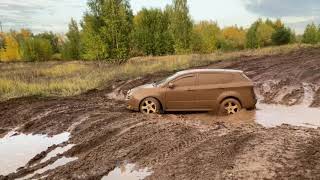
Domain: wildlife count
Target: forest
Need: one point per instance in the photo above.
(110, 31)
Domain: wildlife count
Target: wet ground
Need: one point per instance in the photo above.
(93, 136)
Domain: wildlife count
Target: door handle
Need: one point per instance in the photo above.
(190, 89)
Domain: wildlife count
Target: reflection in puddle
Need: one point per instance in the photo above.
(127, 172)
(17, 150)
(276, 115)
(60, 162)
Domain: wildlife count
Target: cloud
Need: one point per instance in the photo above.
(295, 13)
(40, 15)
(280, 8)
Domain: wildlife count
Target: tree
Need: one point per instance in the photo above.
(180, 25)
(311, 34)
(36, 49)
(233, 38)
(52, 38)
(151, 34)
(205, 37)
(282, 36)
(264, 34)
(10, 49)
(2, 43)
(106, 29)
(71, 48)
(252, 37)
(94, 45)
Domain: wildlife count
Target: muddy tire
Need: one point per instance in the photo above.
(229, 106)
(150, 106)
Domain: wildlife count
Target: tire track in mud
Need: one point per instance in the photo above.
(181, 146)
(265, 155)
(304, 162)
(207, 159)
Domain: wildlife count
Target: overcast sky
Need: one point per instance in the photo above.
(54, 15)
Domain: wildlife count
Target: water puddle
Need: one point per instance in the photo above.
(276, 115)
(17, 149)
(128, 172)
(60, 162)
(267, 115)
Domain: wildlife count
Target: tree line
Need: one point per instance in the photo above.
(110, 31)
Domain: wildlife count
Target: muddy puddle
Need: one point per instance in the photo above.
(128, 172)
(17, 149)
(276, 115)
(266, 115)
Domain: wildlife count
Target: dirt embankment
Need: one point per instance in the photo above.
(180, 146)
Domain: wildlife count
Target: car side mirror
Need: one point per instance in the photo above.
(171, 85)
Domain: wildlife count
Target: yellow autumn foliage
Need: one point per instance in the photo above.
(236, 37)
(11, 50)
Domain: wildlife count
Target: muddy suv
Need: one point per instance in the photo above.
(222, 91)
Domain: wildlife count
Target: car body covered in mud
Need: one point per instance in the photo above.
(217, 90)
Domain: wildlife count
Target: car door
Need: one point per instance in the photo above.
(181, 96)
(209, 87)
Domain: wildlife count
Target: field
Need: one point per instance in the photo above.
(85, 99)
(75, 77)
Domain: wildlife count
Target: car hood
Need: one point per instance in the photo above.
(146, 86)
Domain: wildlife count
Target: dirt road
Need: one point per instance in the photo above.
(178, 146)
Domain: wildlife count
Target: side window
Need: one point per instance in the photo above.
(218, 78)
(185, 81)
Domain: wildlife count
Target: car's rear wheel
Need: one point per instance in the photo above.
(150, 106)
(230, 106)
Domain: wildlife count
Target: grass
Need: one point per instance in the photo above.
(72, 78)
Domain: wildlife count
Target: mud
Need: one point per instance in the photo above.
(105, 135)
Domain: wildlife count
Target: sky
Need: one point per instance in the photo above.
(54, 15)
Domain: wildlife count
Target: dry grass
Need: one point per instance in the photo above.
(71, 78)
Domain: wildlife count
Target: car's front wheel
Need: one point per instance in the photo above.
(230, 106)
(150, 106)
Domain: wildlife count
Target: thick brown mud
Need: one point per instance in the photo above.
(279, 140)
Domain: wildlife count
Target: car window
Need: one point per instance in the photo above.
(219, 78)
(185, 81)
(166, 80)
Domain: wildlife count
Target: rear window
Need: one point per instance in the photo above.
(218, 78)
